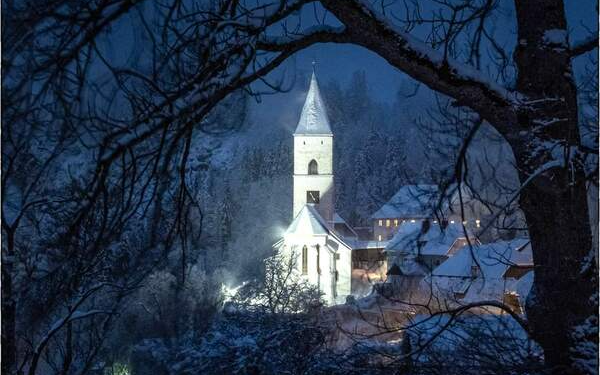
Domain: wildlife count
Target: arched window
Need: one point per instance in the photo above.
(313, 168)
(318, 259)
(304, 260)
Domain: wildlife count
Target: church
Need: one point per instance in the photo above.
(331, 254)
(323, 256)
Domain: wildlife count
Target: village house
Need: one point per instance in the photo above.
(500, 271)
(428, 243)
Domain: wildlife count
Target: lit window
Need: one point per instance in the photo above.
(380, 222)
(387, 222)
(451, 221)
(379, 238)
(478, 223)
(413, 220)
(395, 222)
(304, 260)
(465, 222)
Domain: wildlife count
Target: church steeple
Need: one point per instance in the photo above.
(313, 120)
(313, 157)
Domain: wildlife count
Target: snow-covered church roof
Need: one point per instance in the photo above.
(308, 222)
(313, 120)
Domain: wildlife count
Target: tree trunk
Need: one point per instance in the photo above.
(9, 351)
(565, 285)
(554, 198)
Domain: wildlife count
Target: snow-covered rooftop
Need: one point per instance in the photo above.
(313, 119)
(337, 219)
(369, 244)
(456, 273)
(493, 259)
(308, 222)
(434, 241)
(411, 201)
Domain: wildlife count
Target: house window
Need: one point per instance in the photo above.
(380, 222)
(304, 260)
(313, 167)
(387, 222)
(312, 196)
(379, 237)
(478, 223)
(395, 222)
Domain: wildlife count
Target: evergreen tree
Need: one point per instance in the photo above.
(226, 213)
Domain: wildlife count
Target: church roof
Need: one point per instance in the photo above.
(313, 119)
(308, 221)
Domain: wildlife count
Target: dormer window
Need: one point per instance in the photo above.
(313, 167)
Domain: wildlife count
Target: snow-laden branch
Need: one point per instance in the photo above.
(469, 86)
(585, 45)
(73, 314)
(320, 34)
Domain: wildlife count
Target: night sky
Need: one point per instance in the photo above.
(338, 62)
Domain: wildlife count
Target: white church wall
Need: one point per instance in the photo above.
(321, 183)
(320, 149)
(325, 279)
(344, 267)
(309, 147)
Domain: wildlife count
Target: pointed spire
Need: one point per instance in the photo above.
(313, 119)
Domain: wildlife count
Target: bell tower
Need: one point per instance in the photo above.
(313, 156)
